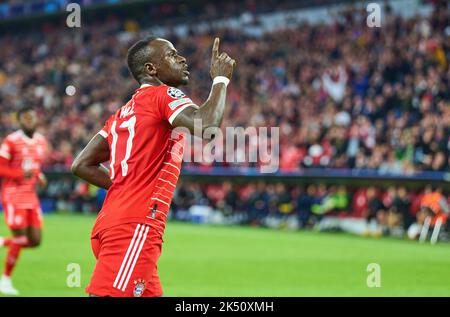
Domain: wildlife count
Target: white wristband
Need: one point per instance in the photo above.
(221, 79)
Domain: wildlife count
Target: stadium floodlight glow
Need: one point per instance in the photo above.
(71, 90)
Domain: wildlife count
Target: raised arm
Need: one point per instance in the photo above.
(210, 114)
(87, 164)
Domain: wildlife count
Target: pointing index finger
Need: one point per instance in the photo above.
(215, 49)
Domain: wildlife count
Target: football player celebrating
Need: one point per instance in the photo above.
(145, 154)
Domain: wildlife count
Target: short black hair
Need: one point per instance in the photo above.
(138, 55)
(22, 110)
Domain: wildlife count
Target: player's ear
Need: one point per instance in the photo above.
(150, 69)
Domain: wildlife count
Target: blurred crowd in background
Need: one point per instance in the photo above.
(383, 211)
(344, 96)
(390, 211)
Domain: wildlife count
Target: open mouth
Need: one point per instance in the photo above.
(186, 72)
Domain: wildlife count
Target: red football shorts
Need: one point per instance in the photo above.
(127, 257)
(20, 218)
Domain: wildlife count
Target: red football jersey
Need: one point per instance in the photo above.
(22, 152)
(145, 158)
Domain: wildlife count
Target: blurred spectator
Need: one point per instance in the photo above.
(304, 204)
(388, 211)
(375, 214)
(433, 204)
(400, 218)
(336, 200)
(343, 95)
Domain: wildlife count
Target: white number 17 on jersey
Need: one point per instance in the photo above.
(130, 124)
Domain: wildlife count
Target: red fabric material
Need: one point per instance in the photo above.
(7, 171)
(122, 272)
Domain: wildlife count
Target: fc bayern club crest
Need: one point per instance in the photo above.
(175, 93)
(139, 288)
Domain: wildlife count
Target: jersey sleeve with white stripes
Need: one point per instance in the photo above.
(173, 101)
(6, 149)
(105, 131)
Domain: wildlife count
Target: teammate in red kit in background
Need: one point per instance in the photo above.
(145, 155)
(21, 156)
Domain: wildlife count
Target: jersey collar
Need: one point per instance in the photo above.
(26, 138)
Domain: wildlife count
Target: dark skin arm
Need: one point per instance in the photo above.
(209, 115)
(87, 165)
(211, 112)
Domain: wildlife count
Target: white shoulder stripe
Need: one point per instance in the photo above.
(179, 102)
(177, 112)
(103, 133)
(5, 154)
